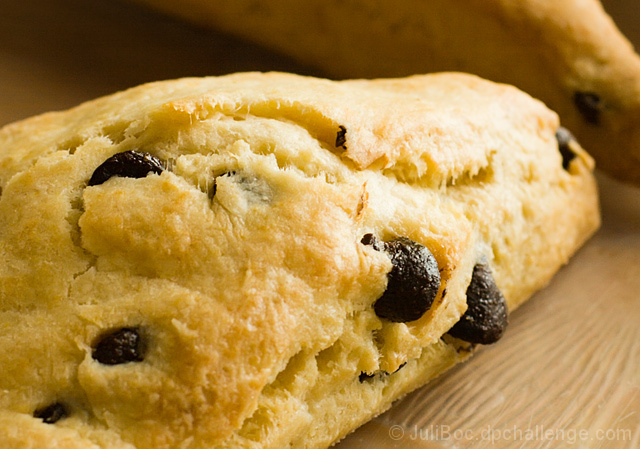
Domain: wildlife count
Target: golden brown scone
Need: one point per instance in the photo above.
(265, 260)
(567, 53)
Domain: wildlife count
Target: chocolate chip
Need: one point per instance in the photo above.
(486, 317)
(413, 282)
(371, 240)
(564, 138)
(120, 346)
(341, 137)
(130, 164)
(52, 413)
(589, 105)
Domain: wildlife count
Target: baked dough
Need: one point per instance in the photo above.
(202, 263)
(567, 53)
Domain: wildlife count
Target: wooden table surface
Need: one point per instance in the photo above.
(567, 373)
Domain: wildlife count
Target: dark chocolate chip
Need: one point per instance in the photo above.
(120, 346)
(341, 137)
(371, 240)
(413, 282)
(486, 317)
(589, 105)
(130, 164)
(52, 413)
(564, 138)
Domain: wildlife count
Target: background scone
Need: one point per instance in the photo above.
(259, 260)
(567, 53)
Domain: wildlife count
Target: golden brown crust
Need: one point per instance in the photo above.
(254, 300)
(555, 50)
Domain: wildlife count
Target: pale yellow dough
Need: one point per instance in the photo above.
(255, 304)
(551, 49)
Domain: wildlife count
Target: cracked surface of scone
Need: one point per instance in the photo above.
(567, 53)
(197, 263)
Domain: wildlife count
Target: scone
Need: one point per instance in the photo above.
(568, 53)
(268, 260)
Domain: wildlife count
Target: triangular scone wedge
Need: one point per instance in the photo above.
(265, 260)
(568, 53)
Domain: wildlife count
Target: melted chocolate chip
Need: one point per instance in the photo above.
(120, 346)
(589, 105)
(52, 413)
(486, 317)
(341, 137)
(564, 138)
(413, 282)
(130, 164)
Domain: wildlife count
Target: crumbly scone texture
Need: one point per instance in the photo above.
(241, 266)
(567, 53)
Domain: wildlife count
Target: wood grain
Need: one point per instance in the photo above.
(567, 373)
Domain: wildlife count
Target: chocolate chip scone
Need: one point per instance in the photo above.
(268, 260)
(568, 53)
